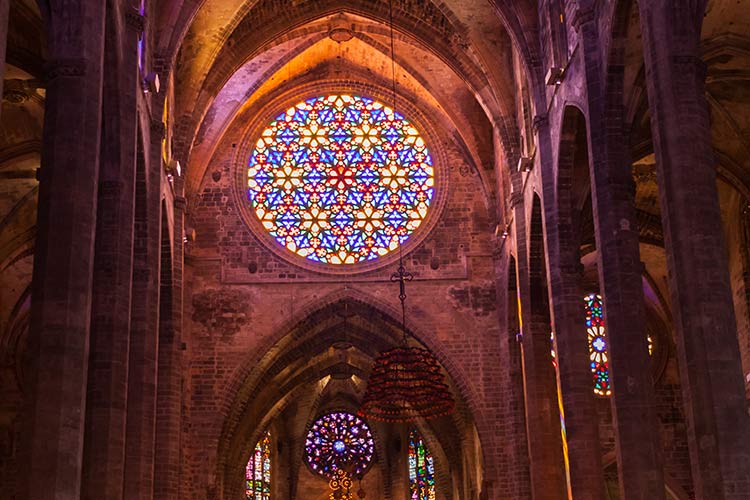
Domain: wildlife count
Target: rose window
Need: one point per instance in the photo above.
(340, 179)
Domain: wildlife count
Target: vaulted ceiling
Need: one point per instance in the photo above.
(453, 57)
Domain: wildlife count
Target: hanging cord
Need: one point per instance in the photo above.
(401, 275)
(393, 57)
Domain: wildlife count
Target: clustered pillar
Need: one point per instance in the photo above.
(145, 319)
(97, 288)
(107, 390)
(64, 255)
(540, 395)
(708, 354)
(585, 480)
(640, 467)
(707, 347)
(169, 389)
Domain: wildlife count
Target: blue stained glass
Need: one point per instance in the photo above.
(352, 115)
(334, 154)
(366, 175)
(353, 156)
(339, 441)
(300, 115)
(597, 338)
(421, 469)
(392, 134)
(340, 135)
(325, 115)
(354, 197)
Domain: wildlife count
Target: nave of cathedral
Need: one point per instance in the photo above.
(375, 250)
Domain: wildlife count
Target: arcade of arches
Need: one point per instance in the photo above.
(202, 203)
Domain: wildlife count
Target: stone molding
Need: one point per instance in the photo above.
(684, 63)
(135, 21)
(539, 121)
(158, 131)
(515, 199)
(582, 16)
(180, 203)
(65, 68)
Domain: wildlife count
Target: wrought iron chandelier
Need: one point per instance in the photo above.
(406, 383)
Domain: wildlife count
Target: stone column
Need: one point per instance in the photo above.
(169, 387)
(512, 481)
(144, 326)
(4, 10)
(707, 347)
(540, 393)
(106, 405)
(585, 479)
(638, 447)
(64, 254)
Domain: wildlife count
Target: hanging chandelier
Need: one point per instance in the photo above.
(406, 383)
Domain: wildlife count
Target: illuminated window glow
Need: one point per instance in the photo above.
(421, 469)
(340, 179)
(258, 471)
(597, 335)
(339, 441)
(598, 344)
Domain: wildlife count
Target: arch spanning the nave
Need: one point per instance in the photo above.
(202, 203)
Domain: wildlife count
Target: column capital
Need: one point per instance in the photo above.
(135, 21)
(158, 131)
(64, 68)
(572, 269)
(539, 121)
(582, 15)
(515, 199)
(690, 62)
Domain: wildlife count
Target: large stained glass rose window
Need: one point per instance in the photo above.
(340, 179)
(339, 440)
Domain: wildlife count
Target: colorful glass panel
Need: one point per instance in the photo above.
(339, 440)
(258, 471)
(421, 469)
(340, 179)
(598, 344)
(597, 336)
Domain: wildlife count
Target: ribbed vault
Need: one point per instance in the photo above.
(451, 55)
(320, 365)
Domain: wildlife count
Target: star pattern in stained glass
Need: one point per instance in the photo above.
(340, 179)
(339, 440)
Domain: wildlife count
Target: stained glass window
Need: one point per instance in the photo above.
(597, 335)
(421, 469)
(258, 471)
(598, 344)
(339, 440)
(340, 179)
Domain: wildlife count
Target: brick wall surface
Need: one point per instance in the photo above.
(138, 363)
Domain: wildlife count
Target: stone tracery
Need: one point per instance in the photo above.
(340, 179)
(169, 374)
